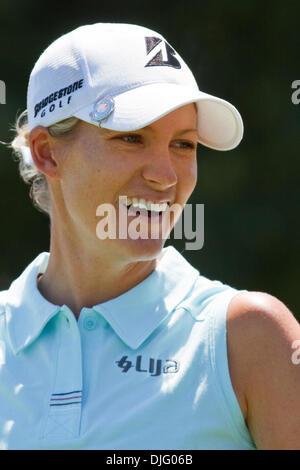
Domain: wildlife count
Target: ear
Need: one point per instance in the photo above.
(41, 146)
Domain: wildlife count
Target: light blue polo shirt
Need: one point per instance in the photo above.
(145, 370)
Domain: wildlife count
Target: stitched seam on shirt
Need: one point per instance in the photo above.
(10, 334)
(47, 407)
(60, 426)
(223, 404)
(212, 357)
(239, 433)
(187, 309)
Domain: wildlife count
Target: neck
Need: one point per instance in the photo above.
(86, 274)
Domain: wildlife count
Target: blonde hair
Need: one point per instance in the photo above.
(39, 190)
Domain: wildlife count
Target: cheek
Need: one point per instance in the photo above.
(194, 173)
(80, 185)
(92, 181)
(85, 191)
(188, 178)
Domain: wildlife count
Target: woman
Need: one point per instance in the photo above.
(114, 342)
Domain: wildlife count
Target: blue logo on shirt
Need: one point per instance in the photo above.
(154, 367)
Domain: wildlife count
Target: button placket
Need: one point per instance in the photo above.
(89, 319)
(90, 323)
(65, 402)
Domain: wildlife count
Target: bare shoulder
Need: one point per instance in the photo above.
(262, 335)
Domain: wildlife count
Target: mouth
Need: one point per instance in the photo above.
(135, 212)
(143, 208)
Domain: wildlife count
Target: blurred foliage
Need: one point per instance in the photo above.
(246, 52)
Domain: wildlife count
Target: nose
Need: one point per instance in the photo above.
(159, 169)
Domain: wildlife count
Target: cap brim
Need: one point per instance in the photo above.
(220, 125)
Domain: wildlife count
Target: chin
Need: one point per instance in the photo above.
(142, 249)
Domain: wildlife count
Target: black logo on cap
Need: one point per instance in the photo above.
(164, 50)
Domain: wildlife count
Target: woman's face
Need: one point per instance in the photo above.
(97, 166)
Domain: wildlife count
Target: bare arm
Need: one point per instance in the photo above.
(265, 375)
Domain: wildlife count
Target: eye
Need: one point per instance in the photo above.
(185, 144)
(131, 138)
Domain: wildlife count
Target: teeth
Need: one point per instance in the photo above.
(142, 204)
(149, 205)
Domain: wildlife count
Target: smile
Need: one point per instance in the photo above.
(146, 205)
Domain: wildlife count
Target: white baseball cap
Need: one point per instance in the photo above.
(123, 77)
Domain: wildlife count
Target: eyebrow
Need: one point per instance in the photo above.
(185, 131)
(149, 127)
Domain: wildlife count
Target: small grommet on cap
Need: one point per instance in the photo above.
(102, 109)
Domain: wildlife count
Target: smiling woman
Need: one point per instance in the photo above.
(118, 342)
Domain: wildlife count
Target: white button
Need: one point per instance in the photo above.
(90, 323)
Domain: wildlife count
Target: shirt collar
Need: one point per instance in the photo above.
(27, 311)
(133, 315)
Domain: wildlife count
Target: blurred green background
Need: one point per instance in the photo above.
(244, 51)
